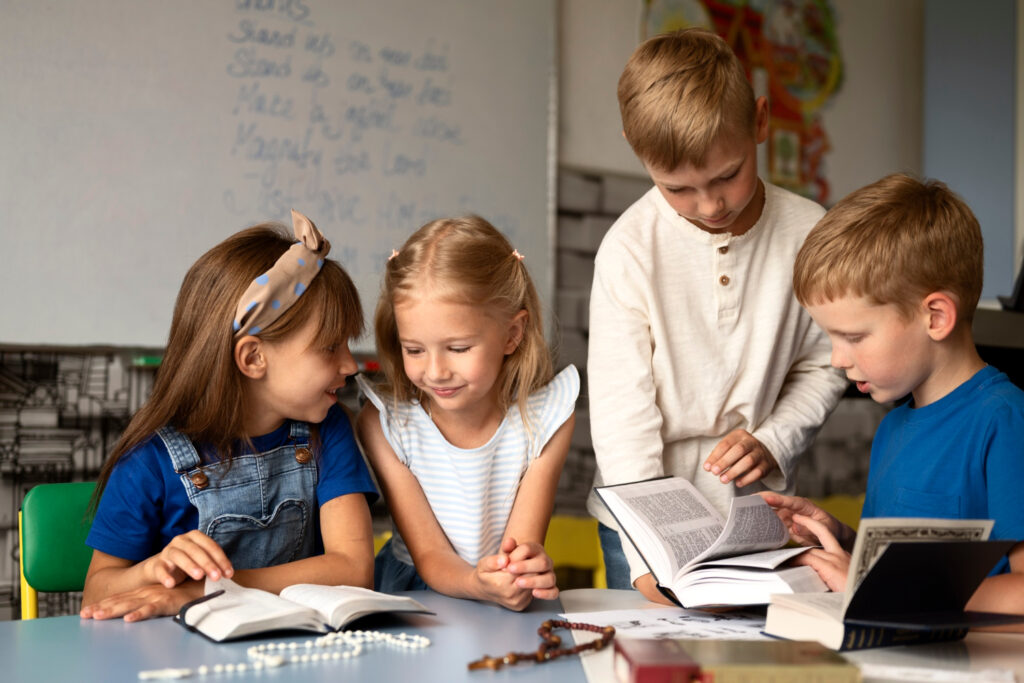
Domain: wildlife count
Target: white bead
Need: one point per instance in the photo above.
(202, 669)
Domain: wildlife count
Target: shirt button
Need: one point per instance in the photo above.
(200, 480)
(724, 280)
(303, 455)
(723, 250)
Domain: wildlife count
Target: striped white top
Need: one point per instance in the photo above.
(471, 491)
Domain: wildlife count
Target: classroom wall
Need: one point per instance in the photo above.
(873, 122)
(70, 407)
(970, 124)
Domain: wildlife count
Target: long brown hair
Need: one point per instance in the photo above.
(198, 388)
(467, 260)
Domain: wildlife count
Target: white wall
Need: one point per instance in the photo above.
(596, 38)
(970, 84)
(874, 121)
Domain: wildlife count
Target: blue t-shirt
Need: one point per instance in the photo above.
(145, 505)
(961, 457)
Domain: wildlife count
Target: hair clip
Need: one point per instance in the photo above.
(515, 252)
(394, 253)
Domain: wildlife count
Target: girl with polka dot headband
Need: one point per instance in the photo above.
(241, 463)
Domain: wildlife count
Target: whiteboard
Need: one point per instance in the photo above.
(137, 134)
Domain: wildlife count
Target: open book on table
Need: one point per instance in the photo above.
(229, 611)
(701, 559)
(910, 579)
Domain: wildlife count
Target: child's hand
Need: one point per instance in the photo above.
(790, 507)
(190, 555)
(142, 603)
(831, 562)
(535, 570)
(741, 457)
(497, 584)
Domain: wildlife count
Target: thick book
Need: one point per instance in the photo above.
(678, 660)
(230, 611)
(699, 558)
(910, 578)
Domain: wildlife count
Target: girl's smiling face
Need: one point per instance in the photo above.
(300, 381)
(453, 352)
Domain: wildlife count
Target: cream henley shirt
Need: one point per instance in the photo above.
(694, 334)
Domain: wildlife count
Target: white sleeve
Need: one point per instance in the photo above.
(625, 421)
(393, 436)
(551, 405)
(810, 392)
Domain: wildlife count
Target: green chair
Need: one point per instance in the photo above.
(52, 527)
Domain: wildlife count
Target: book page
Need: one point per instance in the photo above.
(875, 534)
(763, 559)
(830, 605)
(752, 525)
(674, 622)
(674, 515)
(338, 605)
(241, 611)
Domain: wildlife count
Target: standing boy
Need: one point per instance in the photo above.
(893, 273)
(701, 363)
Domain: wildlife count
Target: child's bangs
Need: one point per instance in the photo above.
(334, 300)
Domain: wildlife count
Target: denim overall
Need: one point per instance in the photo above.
(262, 510)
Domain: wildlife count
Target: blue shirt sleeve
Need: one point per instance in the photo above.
(1004, 470)
(143, 506)
(342, 468)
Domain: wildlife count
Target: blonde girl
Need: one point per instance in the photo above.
(241, 464)
(469, 431)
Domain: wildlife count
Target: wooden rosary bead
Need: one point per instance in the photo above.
(549, 648)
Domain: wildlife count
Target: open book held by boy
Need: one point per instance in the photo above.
(700, 558)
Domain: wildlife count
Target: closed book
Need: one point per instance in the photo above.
(652, 661)
(729, 661)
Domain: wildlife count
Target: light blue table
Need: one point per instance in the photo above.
(69, 649)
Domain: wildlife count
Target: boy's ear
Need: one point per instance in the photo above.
(761, 119)
(516, 330)
(940, 309)
(249, 357)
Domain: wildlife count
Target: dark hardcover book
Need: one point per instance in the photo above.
(914, 592)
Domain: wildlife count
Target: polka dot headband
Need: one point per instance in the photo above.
(272, 293)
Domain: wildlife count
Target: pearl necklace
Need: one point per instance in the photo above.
(343, 645)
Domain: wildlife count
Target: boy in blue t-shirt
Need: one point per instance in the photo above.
(893, 273)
